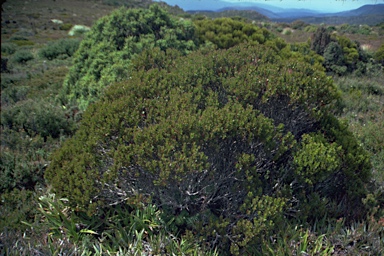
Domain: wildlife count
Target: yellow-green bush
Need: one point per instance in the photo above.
(105, 53)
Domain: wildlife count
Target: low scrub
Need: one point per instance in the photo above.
(63, 48)
(22, 56)
(8, 48)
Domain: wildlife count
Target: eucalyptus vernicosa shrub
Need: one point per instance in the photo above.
(229, 142)
(105, 53)
(228, 32)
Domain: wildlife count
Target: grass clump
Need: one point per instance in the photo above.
(120, 230)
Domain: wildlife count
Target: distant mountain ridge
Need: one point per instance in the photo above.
(370, 14)
(283, 13)
(369, 9)
(367, 14)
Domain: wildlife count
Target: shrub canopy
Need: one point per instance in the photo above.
(104, 54)
(228, 141)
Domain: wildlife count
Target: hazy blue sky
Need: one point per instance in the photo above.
(320, 5)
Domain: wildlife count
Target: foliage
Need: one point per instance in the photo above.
(66, 26)
(105, 53)
(116, 231)
(297, 241)
(355, 29)
(42, 118)
(341, 55)
(334, 59)
(228, 130)
(228, 32)
(30, 130)
(316, 159)
(22, 170)
(146, 229)
(299, 24)
(32, 125)
(362, 97)
(335, 238)
(8, 48)
(320, 39)
(17, 206)
(302, 52)
(310, 28)
(350, 50)
(63, 48)
(360, 238)
(22, 56)
(43, 85)
(379, 55)
(287, 31)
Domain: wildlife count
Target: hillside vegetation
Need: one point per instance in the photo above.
(164, 133)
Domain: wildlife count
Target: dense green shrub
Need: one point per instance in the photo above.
(8, 48)
(334, 59)
(350, 50)
(310, 28)
(37, 118)
(22, 56)
(355, 29)
(27, 129)
(16, 206)
(11, 93)
(227, 32)
(379, 55)
(320, 39)
(341, 55)
(105, 53)
(301, 51)
(226, 141)
(20, 171)
(63, 48)
(66, 26)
